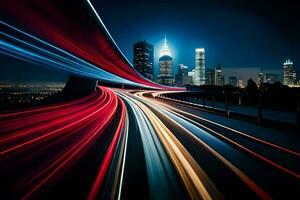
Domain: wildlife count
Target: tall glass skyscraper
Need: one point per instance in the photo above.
(260, 78)
(143, 59)
(200, 66)
(289, 75)
(210, 77)
(165, 76)
(218, 76)
(233, 81)
(181, 79)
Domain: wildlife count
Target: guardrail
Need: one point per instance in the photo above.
(258, 119)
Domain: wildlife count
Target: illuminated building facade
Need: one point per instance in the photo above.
(210, 77)
(165, 76)
(289, 75)
(200, 66)
(143, 59)
(218, 76)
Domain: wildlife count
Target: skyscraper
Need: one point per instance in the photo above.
(165, 76)
(223, 80)
(181, 78)
(260, 78)
(210, 77)
(192, 76)
(294, 77)
(143, 59)
(233, 81)
(200, 66)
(271, 78)
(288, 73)
(241, 83)
(218, 76)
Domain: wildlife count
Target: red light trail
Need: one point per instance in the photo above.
(86, 118)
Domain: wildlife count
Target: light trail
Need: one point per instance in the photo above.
(62, 125)
(176, 123)
(73, 152)
(47, 127)
(118, 192)
(47, 55)
(249, 182)
(11, 122)
(263, 158)
(109, 154)
(91, 114)
(229, 128)
(163, 108)
(194, 178)
(159, 169)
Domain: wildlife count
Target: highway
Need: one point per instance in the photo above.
(40, 145)
(122, 144)
(251, 163)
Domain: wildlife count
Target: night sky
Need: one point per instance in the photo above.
(256, 34)
(14, 71)
(260, 34)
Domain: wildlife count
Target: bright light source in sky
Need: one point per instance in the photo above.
(165, 49)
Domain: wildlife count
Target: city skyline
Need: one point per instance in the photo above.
(266, 42)
(201, 72)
